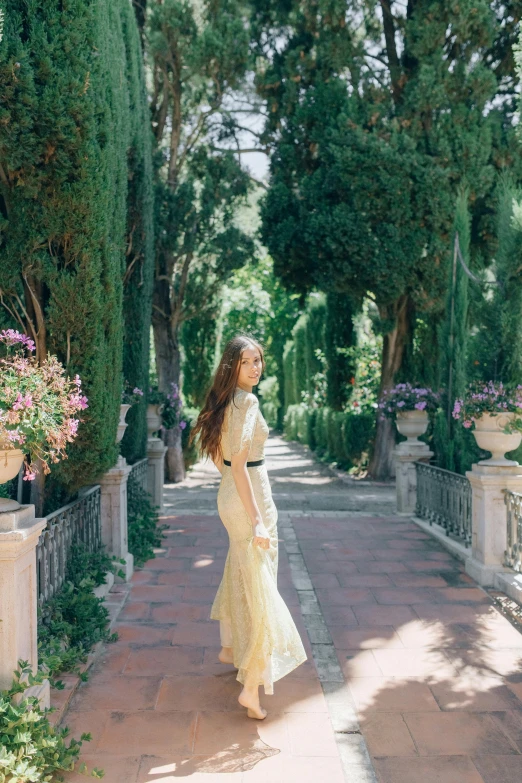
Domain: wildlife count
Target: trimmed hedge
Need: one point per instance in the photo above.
(336, 436)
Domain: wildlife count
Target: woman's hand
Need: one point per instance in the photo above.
(261, 535)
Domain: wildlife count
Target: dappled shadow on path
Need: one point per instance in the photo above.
(433, 668)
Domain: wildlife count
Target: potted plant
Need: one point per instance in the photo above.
(38, 409)
(495, 412)
(128, 399)
(156, 400)
(409, 406)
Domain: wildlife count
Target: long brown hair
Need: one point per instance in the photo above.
(211, 417)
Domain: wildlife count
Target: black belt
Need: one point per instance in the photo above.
(249, 464)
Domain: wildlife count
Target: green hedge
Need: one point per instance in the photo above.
(341, 437)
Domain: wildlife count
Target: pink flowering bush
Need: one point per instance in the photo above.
(405, 397)
(39, 405)
(491, 398)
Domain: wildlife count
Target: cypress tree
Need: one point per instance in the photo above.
(340, 336)
(300, 380)
(449, 434)
(314, 336)
(290, 396)
(139, 272)
(64, 134)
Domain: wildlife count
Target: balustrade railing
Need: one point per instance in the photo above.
(444, 497)
(513, 553)
(79, 521)
(137, 477)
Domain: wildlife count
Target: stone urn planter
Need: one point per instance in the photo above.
(122, 424)
(153, 418)
(11, 460)
(412, 424)
(489, 435)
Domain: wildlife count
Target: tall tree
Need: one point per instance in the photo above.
(375, 120)
(139, 251)
(449, 434)
(64, 135)
(198, 57)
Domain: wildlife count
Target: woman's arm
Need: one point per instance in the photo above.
(218, 462)
(246, 493)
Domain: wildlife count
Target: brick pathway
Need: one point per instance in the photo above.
(408, 658)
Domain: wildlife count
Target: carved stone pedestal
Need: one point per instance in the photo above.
(156, 451)
(114, 516)
(489, 520)
(19, 534)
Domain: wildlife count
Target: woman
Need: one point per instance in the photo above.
(258, 634)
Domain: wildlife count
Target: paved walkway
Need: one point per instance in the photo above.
(409, 660)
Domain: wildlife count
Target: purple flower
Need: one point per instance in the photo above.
(182, 425)
(420, 405)
(137, 391)
(10, 337)
(401, 404)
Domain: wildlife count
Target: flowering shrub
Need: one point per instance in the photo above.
(405, 397)
(38, 403)
(129, 397)
(489, 398)
(171, 413)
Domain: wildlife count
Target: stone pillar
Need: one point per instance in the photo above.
(19, 534)
(156, 451)
(489, 519)
(407, 454)
(114, 516)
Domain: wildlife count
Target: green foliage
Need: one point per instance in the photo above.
(198, 337)
(198, 56)
(31, 749)
(340, 335)
(449, 439)
(336, 436)
(72, 622)
(254, 301)
(290, 397)
(375, 121)
(139, 272)
(269, 394)
(143, 530)
(300, 379)
(64, 137)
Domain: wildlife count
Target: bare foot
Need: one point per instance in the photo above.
(225, 655)
(254, 709)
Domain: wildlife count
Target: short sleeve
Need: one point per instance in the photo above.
(243, 418)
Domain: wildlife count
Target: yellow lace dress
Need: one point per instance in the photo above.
(254, 619)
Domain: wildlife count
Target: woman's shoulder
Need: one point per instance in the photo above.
(243, 399)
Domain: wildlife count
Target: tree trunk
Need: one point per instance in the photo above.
(168, 364)
(394, 343)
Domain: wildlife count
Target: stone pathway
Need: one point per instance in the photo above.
(409, 660)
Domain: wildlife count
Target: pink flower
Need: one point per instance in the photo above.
(137, 391)
(11, 337)
(19, 402)
(29, 475)
(72, 427)
(467, 424)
